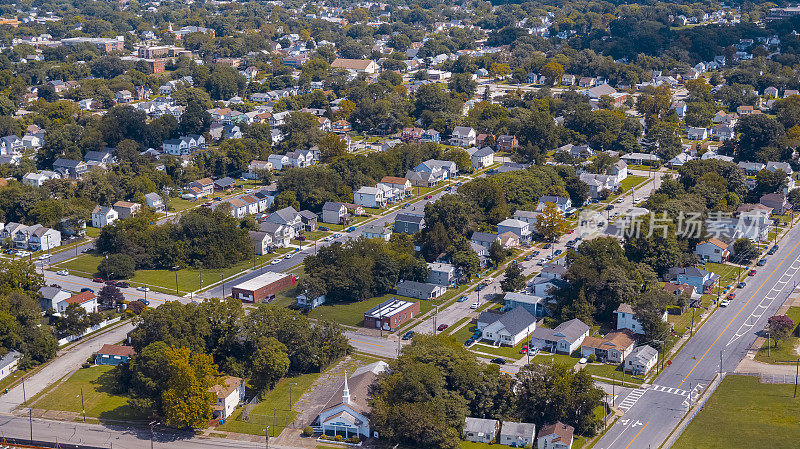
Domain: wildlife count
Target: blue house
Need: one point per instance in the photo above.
(113, 355)
(535, 305)
(430, 135)
(703, 281)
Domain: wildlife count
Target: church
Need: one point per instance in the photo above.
(346, 413)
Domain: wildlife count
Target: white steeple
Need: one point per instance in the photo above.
(346, 391)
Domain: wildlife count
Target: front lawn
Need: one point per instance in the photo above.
(742, 414)
(786, 351)
(609, 371)
(547, 358)
(727, 273)
(188, 280)
(631, 181)
(275, 409)
(502, 351)
(99, 399)
(180, 204)
(352, 313)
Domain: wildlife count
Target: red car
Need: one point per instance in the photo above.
(524, 350)
(98, 280)
(442, 327)
(427, 197)
(111, 282)
(752, 273)
(731, 295)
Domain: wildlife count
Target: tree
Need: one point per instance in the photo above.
(463, 83)
(744, 251)
(331, 146)
(186, 403)
(553, 71)
(269, 363)
(780, 327)
(514, 280)
(110, 295)
(758, 133)
(551, 224)
(117, 266)
(497, 253)
(73, 321)
(550, 393)
(649, 311)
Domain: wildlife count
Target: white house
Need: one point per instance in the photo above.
(520, 228)
(508, 328)
(517, 434)
(230, 392)
(626, 319)
(103, 216)
(369, 197)
(614, 347)
(481, 158)
(712, 250)
(463, 136)
(441, 274)
(480, 430)
(641, 360)
(347, 412)
(555, 436)
(8, 363)
(694, 133)
(563, 204)
(376, 232)
(278, 161)
(565, 338)
(87, 300)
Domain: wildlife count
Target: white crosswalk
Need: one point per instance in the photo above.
(631, 399)
(670, 390)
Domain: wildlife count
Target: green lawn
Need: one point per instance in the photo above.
(785, 350)
(609, 371)
(276, 403)
(92, 232)
(100, 401)
(727, 273)
(631, 181)
(564, 359)
(464, 333)
(742, 414)
(188, 280)
(502, 351)
(180, 204)
(352, 313)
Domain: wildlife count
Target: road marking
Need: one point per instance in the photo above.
(737, 314)
(637, 434)
(631, 399)
(368, 343)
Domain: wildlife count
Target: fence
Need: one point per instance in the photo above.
(766, 378)
(94, 328)
(276, 421)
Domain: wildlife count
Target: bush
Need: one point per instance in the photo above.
(308, 431)
(353, 440)
(339, 438)
(117, 266)
(323, 437)
(592, 358)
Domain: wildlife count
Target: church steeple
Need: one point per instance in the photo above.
(346, 391)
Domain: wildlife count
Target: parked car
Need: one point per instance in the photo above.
(462, 298)
(405, 206)
(752, 273)
(351, 229)
(442, 327)
(87, 289)
(408, 335)
(610, 207)
(123, 285)
(44, 257)
(741, 285)
(427, 197)
(143, 289)
(323, 228)
(557, 252)
(302, 238)
(731, 296)
(762, 262)
(144, 301)
(724, 303)
(62, 273)
(216, 198)
(524, 350)
(275, 261)
(337, 235)
(469, 342)
(474, 305)
(499, 361)
(111, 282)
(548, 246)
(98, 280)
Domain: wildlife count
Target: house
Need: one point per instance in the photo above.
(626, 318)
(565, 338)
(777, 201)
(281, 234)
(509, 240)
(123, 96)
(507, 143)
(225, 184)
(103, 216)
(679, 290)
(262, 288)
(481, 158)
(724, 132)
(426, 179)
(369, 197)
(433, 165)
(154, 201)
(712, 250)
(703, 281)
(555, 436)
(694, 133)
(355, 65)
(506, 328)
(484, 239)
(480, 430)
(238, 207)
(254, 167)
(68, 168)
(87, 300)
(526, 216)
(229, 393)
(287, 216)
(309, 303)
(184, 145)
(113, 354)
(430, 135)
(680, 108)
(576, 151)
(613, 348)
(51, 296)
(564, 204)
(553, 271)
(532, 303)
(41, 238)
(640, 158)
(463, 136)
(518, 227)
(202, 187)
(568, 80)
(517, 434)
(37, 179)
(442, 274)
(751, 168)
(641, 360)
(103, 158)
(410, 134)
(334, 213)
(773, 166)
(420, 290)
(348, 410)
(408, 223)
(771, 91)
(11, 145)
(278, 161)
(391, 314)
(126, 209)
(376, 232)
(262, 242)
(401, 184)
(9, 363)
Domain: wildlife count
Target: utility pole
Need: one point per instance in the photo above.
(768, 345)
(691, 328)
(720, 362)
(83, 407)
(266, 435)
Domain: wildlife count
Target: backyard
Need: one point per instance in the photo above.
(743, 413)
(785, 351)
(97, 385)
(164, 281)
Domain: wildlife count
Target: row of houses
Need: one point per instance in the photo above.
(518, 434)
(32, 238)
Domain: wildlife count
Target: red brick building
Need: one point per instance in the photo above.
(263, 288)
(390, 314)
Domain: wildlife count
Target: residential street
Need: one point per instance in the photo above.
(727, 335)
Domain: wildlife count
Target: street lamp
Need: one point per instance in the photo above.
(176, 268)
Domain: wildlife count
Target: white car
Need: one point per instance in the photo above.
(248, 190)
(474, 305)
(63, 273)
(724, 302)
(23, 253)
(289, 256)
(583, 360)
(44, 257)
(275, 261)
(143, 289)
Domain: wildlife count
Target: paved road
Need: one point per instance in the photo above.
(67, 362)
(652, 413)
(76, 283)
